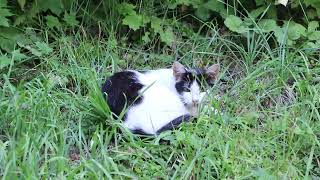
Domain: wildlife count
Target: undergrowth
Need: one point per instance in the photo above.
(54, 122)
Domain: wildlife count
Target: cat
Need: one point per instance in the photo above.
(157, 100)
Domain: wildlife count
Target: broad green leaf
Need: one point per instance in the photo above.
(167, 36)
(70, 19)
(54, 6)
(216, 6)
(52, 22)
(315, 4)
(172, 5)
(126, 8)
(20, 20)
(9, 37)
(145, 37)
(134, 21)
(44, 48)
(295, 30)
(259, 2)
(312, 26)
(235, 24)
(4, 13)
(247, 22)
(314, 36)
(193, 3)
(310, 45)
(145, 19)
(22, 3)
(156, 24)
(3, 3)
(272, 12)
(282, 36)
(202, 13)
(295, 4)
(6, 44)
(257, 12)
(318, 11)
(4, 61)
(34, 51)
(34, 37)
(279, 34)
(17, 55)
(67, 4)
(268, 25)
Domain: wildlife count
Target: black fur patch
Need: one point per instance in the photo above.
(143, 71)
(191, 75)
(175, 123)
(122, 89)
(140, 132)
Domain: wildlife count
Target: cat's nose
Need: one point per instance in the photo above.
(195, 102)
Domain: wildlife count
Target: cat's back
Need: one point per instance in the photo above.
(122, 88)
(162, 77)
(152, 103)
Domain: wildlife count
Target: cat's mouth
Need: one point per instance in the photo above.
(195, 103)
(191, 104)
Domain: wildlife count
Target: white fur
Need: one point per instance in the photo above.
(163, 77)
(191, 99)
(160, 104)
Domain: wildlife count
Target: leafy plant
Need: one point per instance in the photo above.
(136, 21)
(4, 13)
(243, 16)
(240, 17)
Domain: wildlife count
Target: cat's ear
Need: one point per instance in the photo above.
(178, 70)
(213, 72)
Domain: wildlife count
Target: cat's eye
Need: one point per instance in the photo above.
(186, 89)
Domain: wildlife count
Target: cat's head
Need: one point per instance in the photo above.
(191, 82)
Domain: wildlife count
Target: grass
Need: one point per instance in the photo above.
(55, 123)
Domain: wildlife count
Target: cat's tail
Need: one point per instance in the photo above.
(175, 123)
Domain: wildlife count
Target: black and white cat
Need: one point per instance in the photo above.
(157, 100)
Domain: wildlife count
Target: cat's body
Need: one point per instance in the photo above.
(157, 100)
(160, 106)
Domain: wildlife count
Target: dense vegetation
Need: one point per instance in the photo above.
(55, 54)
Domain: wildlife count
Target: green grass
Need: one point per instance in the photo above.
(56, 124)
